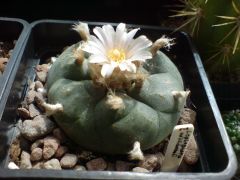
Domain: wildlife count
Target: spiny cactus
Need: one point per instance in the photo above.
(112, 99)
(215, 27)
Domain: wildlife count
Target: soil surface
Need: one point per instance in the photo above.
(41, 144)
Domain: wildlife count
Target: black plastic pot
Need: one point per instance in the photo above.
(11, 29)
(49, 37)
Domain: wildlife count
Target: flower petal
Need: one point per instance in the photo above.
(91, 49)
(132, 33)
(130, 36)
(100, 33)
(107, 70)
(97, 59)
(120, 35)
(94, 46)
(109, 31)
(129, 66)
(96, 42)
(141, 56)
(123, 66)
(138, 44)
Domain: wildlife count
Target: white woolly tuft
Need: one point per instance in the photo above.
(53, 59)
(85, 67)
(163, 42)
(180, 94)
(181, 98)
(166, 42)
(52, 108)
(115, 102)
(136, 153)
(82, 29)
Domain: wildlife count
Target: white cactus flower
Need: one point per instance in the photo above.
(117, 49)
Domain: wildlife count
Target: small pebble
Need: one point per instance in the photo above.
(41, 76)
(32, 86)
(58, 133)
(68, 161)
(15, 150)
(150, 162)
(30, 96)
(43, 91)
(42, 67)
(80, 168)
(23, 113)
(187, 116)
(37, 165)
(61, 151)
(39, 126)
(86, 156)
(12, 165)
(38, 85)
(191, 153)
(52, 164)
(140, 170)
(33, 111)
(50, 146)
(123, 166)
(98, 164)
(37, 143)
(110, 166)
(36, 154)
(25, 162)
(3, 63)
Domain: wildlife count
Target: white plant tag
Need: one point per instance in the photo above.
(176, 148)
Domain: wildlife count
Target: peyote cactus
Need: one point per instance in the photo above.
(215, 28)
(108, 98)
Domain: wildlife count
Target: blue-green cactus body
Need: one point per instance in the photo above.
(148, 116)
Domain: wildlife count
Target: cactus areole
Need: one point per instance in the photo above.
(115, 90)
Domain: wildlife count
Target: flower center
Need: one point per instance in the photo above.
(116, 55)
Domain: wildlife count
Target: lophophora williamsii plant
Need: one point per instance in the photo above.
(113, 94)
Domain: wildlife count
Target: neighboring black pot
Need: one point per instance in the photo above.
(49, 37)
(11, 29)
(227, 95)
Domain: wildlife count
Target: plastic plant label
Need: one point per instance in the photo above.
(176, 148)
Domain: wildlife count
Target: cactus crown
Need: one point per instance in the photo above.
(115, 57)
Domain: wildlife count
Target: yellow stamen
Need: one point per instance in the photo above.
(116, 55)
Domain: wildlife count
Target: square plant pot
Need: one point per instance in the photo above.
(11, 29)
(48, 38)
